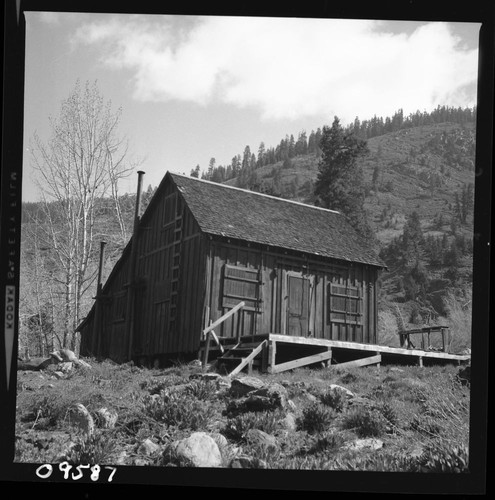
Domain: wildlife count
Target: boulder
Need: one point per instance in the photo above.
(200, 449)
(241, 386)
(276, 393)
(347, 392)
(81, 418)
(261, 439)
(106, 418)
(265, 398)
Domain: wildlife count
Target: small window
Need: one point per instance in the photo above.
(345, 304)
(241, 284)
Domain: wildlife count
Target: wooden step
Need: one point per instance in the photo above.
(241, 350)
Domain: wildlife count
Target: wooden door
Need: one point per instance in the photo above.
(298, 305)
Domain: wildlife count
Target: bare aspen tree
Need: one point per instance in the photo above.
(76, 169)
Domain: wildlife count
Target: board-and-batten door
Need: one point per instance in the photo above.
(345, 311)
(298, 304)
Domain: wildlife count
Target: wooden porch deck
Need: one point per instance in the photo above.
(275, 353)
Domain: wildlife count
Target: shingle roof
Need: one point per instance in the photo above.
(246, 215)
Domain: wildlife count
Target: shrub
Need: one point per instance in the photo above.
(203, 390)
(92, 449)
(335, 399)
(237, 427)
(365, 422)
(425, 425)
(316, 418)
(442, 459)
(378, 463)
(326, 443)
(176, 410)
(389, 412)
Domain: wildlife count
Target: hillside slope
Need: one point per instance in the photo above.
(425, 169)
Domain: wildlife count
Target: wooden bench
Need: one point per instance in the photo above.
(425, 331)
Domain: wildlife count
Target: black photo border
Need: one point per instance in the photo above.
(130, 477)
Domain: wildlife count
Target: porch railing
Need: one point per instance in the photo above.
(209, 333)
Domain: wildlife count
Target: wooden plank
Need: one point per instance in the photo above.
(215, 338)
(248, 359)
(370, 360)
(364, 347)
(308, 360)
(223, 318)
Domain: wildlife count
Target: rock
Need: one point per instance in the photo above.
(245, 462)
(224, 384)
(58, 375)
(265, 398)
(464, 375)
(65, 367)
(200, 449)
(244, 385)
(359, 444)
(148, 447)
(82, 364)
(348, 393)
(396, 369)
(140, 462)
(82, 419)
(156, 398)
(290, 422)
(292, 406)
(35, 364)
(261, 439)
(122, 458)
(276, 393)
(106, 418)
(64, 355)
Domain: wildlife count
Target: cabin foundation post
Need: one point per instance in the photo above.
(272, 351)
(378, 354)
(420, 361)
(327, 363)
(264, 359)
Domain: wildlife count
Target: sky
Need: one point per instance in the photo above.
(192, 88)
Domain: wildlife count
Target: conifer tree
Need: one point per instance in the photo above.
(339, 184)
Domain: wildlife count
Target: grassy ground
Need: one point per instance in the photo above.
(419, 414)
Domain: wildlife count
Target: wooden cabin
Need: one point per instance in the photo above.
(202, 248)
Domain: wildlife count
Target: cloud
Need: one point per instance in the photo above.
(288, 68)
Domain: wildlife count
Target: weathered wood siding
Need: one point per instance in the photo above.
(169, 292)
(341, 299)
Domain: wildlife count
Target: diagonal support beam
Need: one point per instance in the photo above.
(308, 360)
(248, 359)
